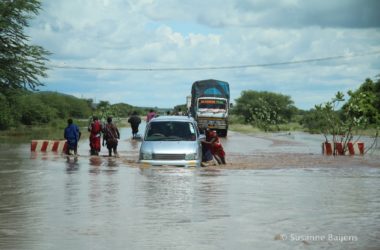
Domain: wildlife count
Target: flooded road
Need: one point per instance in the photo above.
(275, 193)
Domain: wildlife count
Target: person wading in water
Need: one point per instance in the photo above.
(72, 135)
(135, 121)
(110, 136)
(95, 130)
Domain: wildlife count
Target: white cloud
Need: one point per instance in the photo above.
(172, 34)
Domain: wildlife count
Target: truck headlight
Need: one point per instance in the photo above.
(192, 156)
(146, 156)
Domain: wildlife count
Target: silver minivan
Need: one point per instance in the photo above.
(171, 140)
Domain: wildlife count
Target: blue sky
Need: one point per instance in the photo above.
(151, 34)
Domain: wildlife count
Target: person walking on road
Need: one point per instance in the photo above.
(111, 135)
(72, 135)
(95, 130)
(150, 115)
(135, 121)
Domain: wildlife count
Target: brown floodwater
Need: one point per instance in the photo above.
(276, 192)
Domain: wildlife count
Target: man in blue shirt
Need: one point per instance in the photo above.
(72, 135)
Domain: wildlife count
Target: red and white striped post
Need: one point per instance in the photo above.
(356, 148)
(58, 146)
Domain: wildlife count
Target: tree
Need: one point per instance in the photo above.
(6, 118)
(360, 111)
(21, 64)
(377, 93)
(104, 109)
(180, 107)
(364, 102)
(264, 109)
(327, 120)
(341, 125)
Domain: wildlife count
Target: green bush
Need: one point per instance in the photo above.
(6, 119)
(34, 111)
(65, 105)
(264, 109)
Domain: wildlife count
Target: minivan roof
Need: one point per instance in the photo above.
(173, 118)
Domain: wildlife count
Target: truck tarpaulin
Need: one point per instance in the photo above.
(210, 88)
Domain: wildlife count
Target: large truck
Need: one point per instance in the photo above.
(209, 105)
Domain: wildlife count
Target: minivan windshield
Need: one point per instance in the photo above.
(170, 131)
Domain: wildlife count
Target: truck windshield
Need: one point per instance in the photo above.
(170, 131)
(211, 104)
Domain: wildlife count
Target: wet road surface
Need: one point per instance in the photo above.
(258, 151)
(277, 192)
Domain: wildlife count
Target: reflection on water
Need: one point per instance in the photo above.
(95, 161)
(135, 144)
(47, 202)
(72, 165)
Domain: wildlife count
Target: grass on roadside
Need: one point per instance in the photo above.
(247, 128)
